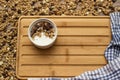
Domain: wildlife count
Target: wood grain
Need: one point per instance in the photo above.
(78, 31)
(40, 71)
(64, 50)
(73, 40)
(79, 47)
(72, 22)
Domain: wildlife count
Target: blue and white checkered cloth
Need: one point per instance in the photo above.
(112, 70)
(113, 50)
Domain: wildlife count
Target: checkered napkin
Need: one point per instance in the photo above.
(113, 50)
(112, 70)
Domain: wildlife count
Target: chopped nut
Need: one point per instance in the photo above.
(42, 27)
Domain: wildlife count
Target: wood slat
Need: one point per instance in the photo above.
(64, 50)
(72, 22)
(77, 31)
(54, 70)
(46, 59)
(75, 41)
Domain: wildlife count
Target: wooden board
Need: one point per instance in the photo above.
(79, 47)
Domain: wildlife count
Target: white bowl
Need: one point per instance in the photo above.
(41, 44)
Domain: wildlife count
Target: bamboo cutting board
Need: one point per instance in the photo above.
(79, 47)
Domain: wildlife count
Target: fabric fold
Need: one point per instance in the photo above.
(113, 50)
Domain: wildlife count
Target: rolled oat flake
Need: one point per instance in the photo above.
(1, 62)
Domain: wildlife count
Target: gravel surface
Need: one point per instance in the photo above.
(11, 10)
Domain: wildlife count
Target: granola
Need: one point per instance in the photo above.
(11, 10)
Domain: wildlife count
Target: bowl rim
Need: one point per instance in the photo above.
(36, 21)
